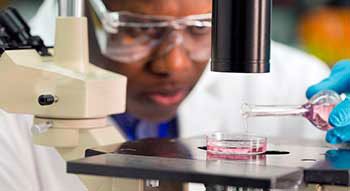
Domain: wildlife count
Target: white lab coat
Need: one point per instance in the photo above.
(213, 105)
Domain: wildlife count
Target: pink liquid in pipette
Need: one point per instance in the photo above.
(318, 115)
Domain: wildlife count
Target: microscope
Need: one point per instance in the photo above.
(71, 99)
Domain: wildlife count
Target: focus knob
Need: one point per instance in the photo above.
(46, 99)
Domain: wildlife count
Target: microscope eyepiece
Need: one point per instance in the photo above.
(15, 25)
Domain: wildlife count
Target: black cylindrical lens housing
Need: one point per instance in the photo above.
(15, 25)
(241, 36)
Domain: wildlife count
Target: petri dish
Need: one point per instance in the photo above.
(231, 144)
(242, 158)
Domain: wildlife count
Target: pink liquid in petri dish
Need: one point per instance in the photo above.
(236, 157)
(239, 145)
(318, 115)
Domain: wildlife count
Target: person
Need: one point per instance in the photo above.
(171, 92)
(157, 87)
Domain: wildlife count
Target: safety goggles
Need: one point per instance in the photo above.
(129, 37)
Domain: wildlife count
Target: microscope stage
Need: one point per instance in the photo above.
(284, 165)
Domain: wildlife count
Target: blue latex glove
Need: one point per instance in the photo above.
(338, 159)
(338, 81)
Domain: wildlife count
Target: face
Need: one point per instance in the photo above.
(157, 86)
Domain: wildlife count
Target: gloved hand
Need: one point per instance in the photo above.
(338, 81)
(339, 158)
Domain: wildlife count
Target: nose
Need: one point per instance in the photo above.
(173, 61)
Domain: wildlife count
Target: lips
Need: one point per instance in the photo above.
(168, 98)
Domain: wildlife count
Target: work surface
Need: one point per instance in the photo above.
(286, 164)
